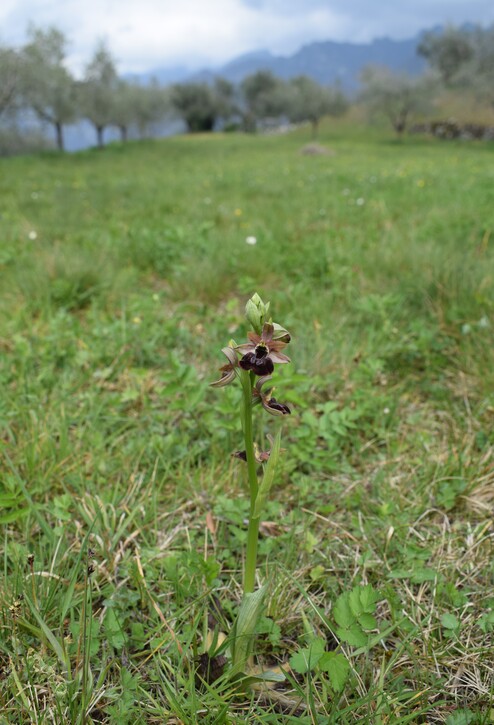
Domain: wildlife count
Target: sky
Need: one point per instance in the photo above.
(149, 34)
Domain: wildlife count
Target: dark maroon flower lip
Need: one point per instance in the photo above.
(276, 408)
(258, 365)
(262, 352)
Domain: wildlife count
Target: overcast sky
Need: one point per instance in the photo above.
(148, 34)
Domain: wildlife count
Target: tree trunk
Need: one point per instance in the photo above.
(99, 135)
(400, 123)
(59, 132)
(398, 129)
(315, 128)
(123, 133)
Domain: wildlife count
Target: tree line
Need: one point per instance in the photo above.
(35, 79)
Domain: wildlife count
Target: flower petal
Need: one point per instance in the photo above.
(276, 345)
(231, 355)
(245, 347)
(279, 357)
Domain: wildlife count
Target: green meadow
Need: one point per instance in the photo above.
(123, 273)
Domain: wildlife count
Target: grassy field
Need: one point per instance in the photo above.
(122, 275)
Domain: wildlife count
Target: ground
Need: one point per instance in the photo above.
(123, 274)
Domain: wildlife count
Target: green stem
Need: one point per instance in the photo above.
(253, 530)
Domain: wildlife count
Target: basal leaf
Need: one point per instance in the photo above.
(354, 635)
(342, 612)
(113, 630)
(306, 659)
(368, 597)
(337, 667)
(367, 621)
(424, 575)
(449, 621)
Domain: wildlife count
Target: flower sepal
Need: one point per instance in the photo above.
(228, 371)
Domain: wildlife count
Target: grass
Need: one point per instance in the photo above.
(123, 273)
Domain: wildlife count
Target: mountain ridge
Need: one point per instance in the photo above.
(326, 61)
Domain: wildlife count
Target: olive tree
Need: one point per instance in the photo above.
(479, 71)
(201, 105)
(447, 52)
(98, 90)
(265, 96)
(396, 96)
(309, 101)
(48, 86)
(151, 105)
(464, 59)
(123, 107)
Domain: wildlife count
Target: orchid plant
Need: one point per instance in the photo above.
(252, 364)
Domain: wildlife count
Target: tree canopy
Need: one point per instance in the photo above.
(309, 101)
(10, 79)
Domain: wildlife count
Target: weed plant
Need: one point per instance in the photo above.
(123, 514)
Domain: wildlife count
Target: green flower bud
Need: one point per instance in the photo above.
(256, 312)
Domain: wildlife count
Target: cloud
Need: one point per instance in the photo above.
(364, 20)
(146, 34)
(151, 33)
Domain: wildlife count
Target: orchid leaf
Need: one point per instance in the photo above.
(268, 477)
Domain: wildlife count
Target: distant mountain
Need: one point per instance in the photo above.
(164, 76)
(327, 62)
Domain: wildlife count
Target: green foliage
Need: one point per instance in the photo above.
(315, 658)
(396, 96)
(244, 630)
(265, 96)
(11, 79)
(460, 717)
(124, 710)
(198, 105)
(446, 51)
(308, 101)
(354, 614)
